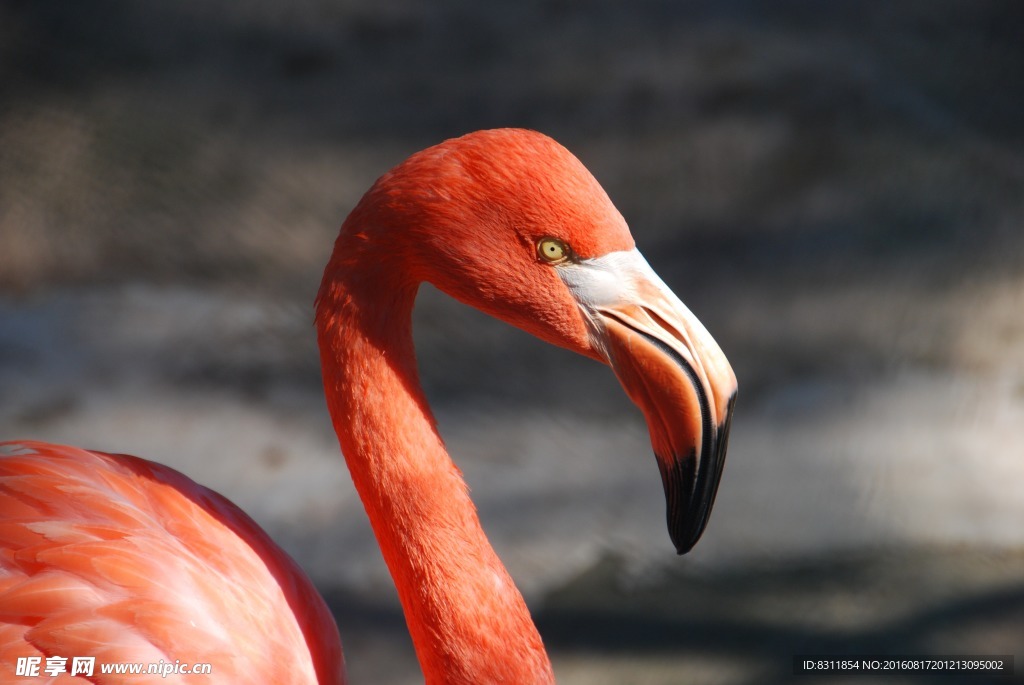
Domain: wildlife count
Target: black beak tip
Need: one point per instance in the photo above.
(691, 485)
(683, 549)
(689, 530)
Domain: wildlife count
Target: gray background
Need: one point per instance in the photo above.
(836, 190)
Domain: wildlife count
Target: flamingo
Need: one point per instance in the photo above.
(129, 561)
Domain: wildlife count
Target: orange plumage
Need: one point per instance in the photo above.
(117, 558)
(128, 561)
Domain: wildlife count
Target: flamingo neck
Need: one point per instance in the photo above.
(469, 623)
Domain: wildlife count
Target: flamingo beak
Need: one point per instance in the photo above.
(672, 369)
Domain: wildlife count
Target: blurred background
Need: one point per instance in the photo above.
(835, 189)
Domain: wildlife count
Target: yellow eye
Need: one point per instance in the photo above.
(552, 250)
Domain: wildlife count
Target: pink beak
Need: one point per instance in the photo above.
(672, 368)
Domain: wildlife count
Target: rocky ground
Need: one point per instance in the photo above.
(836, 191)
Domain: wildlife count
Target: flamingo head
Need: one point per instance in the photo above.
(510, 222)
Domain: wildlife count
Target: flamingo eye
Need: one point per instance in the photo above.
(553, 250)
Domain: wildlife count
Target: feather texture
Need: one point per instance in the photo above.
(128, 561)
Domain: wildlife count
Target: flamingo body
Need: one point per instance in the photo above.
(115, 557)
(128, 561)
